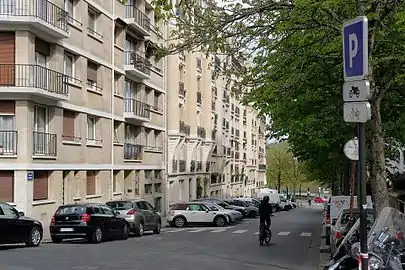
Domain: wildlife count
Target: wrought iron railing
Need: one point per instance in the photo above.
(131, 11)
(133, 151)
(140, 63)
(8, 142)
(137, 107)
(45, 144)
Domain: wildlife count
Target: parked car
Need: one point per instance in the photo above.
(94, 222)
(140, 215)
(225, 205)
(16, 228)
(320, 200)
(234, 216)
(252, 211)
(284, 205)
(181, 214)
(340, 226)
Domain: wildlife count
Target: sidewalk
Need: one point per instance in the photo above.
(324, 250)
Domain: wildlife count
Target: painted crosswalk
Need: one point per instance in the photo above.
(232, 230)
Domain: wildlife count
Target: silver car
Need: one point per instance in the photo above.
(140, 215)
(234, 216)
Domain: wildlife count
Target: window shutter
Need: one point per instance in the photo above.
(69, 124)
(92, 71)
(7, 186)
(7, 107)
(90, 183)
(40, 185)
(42, 47)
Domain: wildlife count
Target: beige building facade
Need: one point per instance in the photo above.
(82, 104)
(215, 144)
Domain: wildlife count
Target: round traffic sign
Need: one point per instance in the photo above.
(351, 149)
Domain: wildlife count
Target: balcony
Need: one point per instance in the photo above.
(8, 143)
(214, 91)
(40, 16)
(183, 128)
(201, 132)
(213, 107)
(137, 65)
(45, 144)
(237, 155)
(137, 110)
(137, 19)
(174, 166)
(182, 91)
(133, 152)
(182, 165)
(199, 98)
(262, 167)
(237, 133)
(34, 80)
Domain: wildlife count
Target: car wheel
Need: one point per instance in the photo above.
(139, 230)
(158, 227)
(179, 222)
(252, 214)
(220, 221)
(34, 237)
(56, 240)
(125, 232)
(97, 236)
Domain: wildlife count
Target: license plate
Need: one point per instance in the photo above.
(66, 229)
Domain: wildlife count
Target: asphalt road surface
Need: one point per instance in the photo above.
(294, 246)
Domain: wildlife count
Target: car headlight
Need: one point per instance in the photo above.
(374, 263)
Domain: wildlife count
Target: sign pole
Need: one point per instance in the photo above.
(357, 108)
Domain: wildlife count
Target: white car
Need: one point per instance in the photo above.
(181, 214)
(233, 215)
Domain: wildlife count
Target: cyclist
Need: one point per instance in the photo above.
(265, 211)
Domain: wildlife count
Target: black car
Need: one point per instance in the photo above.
(94, 222)
(16, 228)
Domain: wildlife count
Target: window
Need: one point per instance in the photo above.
(91, 128)
(116, 181)
(69, 68)
(7, 210)
(198, 84)
(158, 138)
(158, 188)
(141, 205)
(69, 118)
(158, 204)
(40, 185)
(8, 135)
(92, 21)
(7, 186)
(195, 207)
(136, 180)
(69, 7)
(116, 131)
(117, 84)
(91, 182)
(92, 69)
(149, 206)
(107, 210)
(181, 73)
(148, 188)
(156, 100)
(148, 174)
(158, 175)
(41, 119)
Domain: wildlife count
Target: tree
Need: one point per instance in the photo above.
(295, 74)
(277, 165)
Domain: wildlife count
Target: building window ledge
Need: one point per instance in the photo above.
(118, 144)
(44, 157)
(95, 91)
(74, 83)
(119, 47)
(95, 196)
(117, 193)
(95, 37)
(8, 156)
(77, 199)
(43, 202)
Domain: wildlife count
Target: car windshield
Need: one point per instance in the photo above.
(120, 205)
(218, 206)
(67, 210)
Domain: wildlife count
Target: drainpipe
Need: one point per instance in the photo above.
(166, 141)
(112, 100)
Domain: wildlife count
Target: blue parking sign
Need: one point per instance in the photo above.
(355, 49)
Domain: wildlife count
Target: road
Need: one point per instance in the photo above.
(295, 246)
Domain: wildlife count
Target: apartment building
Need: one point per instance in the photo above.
(210, 138)
(82, 103)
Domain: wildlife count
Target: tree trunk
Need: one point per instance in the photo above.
(279, 181)
(377, 172)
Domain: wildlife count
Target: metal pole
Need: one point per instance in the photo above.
(362, 196)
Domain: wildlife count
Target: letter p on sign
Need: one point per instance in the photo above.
(355, 49)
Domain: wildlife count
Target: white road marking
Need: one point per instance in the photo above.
(257, 233)
(240, 231)
(283, 233)
(219, 230)
(307, 234)
(198, 230)
(176, 230)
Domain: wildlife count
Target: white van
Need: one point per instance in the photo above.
(339, 203)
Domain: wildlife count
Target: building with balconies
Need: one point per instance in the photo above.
(82, 104)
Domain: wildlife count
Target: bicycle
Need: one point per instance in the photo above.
(264, 235)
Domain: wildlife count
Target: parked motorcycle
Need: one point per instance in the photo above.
(386, 242)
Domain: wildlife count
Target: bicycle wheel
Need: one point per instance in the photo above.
(268, 237)
(261, 238)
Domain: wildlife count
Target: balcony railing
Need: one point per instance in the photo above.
(45, 144)
(214, 91)
(193, 166)
(174, 166)
(199, 98)
(132, 151)
(262, 167)
(140, 63)
(207, 166)
(38, 9)
(137, 107)
(33, 76)
(213, 107)
(213, 135)
(182, 165)
(182, 91)
(8, 142)
(199, 166)
(201, 132)
(140, 18)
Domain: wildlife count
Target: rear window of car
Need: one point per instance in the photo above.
(121, 205)
(67, 210)
(179, 206)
